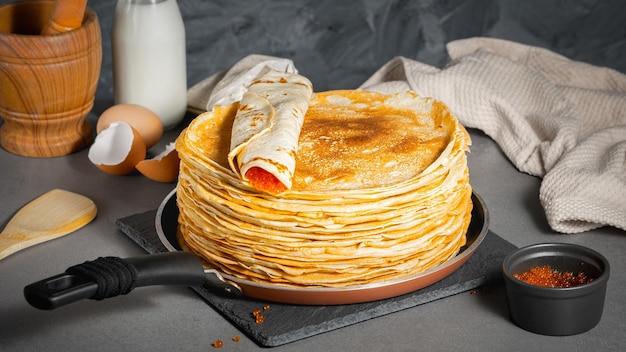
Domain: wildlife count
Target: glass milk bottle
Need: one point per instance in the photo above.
(149, 59)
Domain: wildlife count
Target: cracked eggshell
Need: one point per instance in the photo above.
(163, 167)
(142, 119)
(117, 149)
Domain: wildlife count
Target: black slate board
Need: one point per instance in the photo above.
(286, 323)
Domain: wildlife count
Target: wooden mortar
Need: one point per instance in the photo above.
(47, 82)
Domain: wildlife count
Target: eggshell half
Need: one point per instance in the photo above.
(142, 119)
(117, 149)
(163, 167)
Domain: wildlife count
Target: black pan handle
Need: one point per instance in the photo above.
(111, 276)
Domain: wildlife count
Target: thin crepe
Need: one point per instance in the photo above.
(381, 192)
(266, 129)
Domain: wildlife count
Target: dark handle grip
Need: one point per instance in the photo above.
(175, 268)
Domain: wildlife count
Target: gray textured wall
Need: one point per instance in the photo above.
(339, 43)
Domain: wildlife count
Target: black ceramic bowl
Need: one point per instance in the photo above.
(556, 311)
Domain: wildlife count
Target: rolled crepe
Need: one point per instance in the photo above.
(266, 129)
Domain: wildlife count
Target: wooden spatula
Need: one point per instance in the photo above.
(51, 215)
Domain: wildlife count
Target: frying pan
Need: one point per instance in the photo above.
(112, 276)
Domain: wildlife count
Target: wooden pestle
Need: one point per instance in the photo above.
(66, 15)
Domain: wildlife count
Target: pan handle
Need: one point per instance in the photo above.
(111, 276)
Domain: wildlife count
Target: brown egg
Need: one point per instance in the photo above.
(117, 149)
(163, 167)
(142, 119)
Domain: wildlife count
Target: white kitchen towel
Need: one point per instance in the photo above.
(555, 118)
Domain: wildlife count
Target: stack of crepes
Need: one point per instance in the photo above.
(380, 190)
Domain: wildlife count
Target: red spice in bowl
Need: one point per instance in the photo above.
(547, 301)
(545, 275)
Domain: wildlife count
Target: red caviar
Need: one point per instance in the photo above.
(265, 181)
(258, 316)
(544, 275)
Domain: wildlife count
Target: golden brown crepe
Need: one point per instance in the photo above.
(380, 192)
